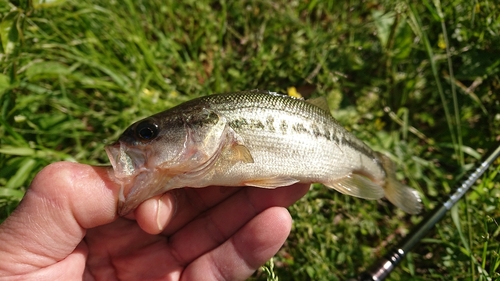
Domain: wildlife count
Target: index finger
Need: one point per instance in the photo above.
(172, 211)
(169, 212)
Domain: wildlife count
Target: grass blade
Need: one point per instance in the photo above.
(417, 26)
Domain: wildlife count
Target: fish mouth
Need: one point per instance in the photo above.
(129, 171)
(126, 161)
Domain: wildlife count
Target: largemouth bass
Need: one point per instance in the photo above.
(254, 138)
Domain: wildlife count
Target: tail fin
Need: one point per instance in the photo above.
(402, 196)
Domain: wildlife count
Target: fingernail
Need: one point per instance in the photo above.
(158, 212)
(165, 210)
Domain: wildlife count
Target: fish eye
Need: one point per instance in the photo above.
(146, 130)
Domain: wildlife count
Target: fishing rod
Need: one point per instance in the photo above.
(383, 267)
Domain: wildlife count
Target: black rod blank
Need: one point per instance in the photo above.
(383, 267)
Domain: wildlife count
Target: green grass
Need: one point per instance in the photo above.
(416, 80)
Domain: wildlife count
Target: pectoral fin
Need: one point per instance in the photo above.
(358, 186)
(271, 182)
(240, 153)
(234, 149)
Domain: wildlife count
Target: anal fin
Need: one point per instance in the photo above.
(271, 182)
(358, 186)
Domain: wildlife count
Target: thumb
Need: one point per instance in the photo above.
(62, 202)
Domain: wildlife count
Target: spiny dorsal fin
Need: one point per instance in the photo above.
(320, 102)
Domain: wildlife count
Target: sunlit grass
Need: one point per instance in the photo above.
(419, 82)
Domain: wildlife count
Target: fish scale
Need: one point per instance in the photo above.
(253, 138)
(326, 154)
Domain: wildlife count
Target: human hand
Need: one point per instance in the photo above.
(66, 228)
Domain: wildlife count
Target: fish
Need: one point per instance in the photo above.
(252, 138)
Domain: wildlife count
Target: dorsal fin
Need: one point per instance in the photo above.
(258, 91)
(320, 102)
